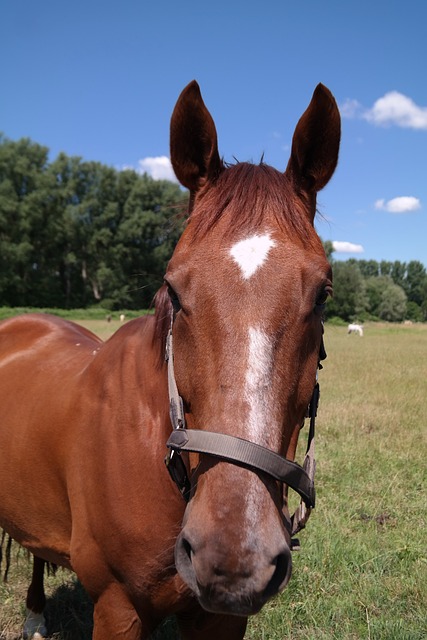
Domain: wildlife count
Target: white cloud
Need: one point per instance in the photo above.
(347, 247)
(159, 168)
(351, 109)
(396, 108)
(393, 108)
(402, 204)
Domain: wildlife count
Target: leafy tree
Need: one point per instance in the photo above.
(147, 235)
(386, 267)
(392, 307)
(22, 165)
(75, 233)
(423, 304)
(415, 282)
(368, 268)
(398, 272)
(349, 301)
(414, 312)
(375, 287)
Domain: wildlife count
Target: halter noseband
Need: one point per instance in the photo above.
(240, 451)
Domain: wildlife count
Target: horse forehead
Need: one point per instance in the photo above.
(246, 257)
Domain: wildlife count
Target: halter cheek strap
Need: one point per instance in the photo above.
(238, 450)
(176, 407)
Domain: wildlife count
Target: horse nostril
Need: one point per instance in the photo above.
(188, 549)
(281, 574)
(184, 555)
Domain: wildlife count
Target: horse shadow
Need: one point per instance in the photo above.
(69, 613)
(69, 616)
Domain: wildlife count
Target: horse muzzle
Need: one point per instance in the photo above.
(231, 583)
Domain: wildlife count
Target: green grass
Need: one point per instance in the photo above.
(362, 569)
(92, 313)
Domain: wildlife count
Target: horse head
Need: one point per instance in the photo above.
(247, 282)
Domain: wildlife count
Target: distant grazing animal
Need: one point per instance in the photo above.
(355, 328)
(122, 317)
(84, 425)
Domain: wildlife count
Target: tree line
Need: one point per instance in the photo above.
(74, 234)
(370, 290)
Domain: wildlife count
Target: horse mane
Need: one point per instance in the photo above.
(244, 192)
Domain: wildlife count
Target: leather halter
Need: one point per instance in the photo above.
(240, 451)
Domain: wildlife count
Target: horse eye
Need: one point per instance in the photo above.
(174, 299)
(322, 297)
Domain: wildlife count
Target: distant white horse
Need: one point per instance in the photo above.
(355, 328)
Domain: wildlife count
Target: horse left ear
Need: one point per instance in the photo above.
(193, 140)
(315, 143)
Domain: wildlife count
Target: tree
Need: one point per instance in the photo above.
(415, 282)
(148, 233)
(414, 312)
(368, 268)
(349, 301)
(398, 272)
(75, 233)
(386, 267)
(22, 165)
(375, 287)
(392, 307)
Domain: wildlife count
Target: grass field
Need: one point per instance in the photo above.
(362, 569)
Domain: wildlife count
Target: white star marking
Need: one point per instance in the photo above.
(250, 254)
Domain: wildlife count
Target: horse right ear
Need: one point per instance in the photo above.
(315, 143)
(193, 141)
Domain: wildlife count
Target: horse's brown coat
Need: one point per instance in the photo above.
(83, 424)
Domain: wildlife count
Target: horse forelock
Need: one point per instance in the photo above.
(247, 193)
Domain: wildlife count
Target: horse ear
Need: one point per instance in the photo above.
(193, 140)
(315, 144)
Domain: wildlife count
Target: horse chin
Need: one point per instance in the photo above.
(228, 594)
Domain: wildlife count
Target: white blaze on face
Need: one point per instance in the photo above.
(258, 381)
(250, 254)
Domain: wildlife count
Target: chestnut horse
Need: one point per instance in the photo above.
(84, 424)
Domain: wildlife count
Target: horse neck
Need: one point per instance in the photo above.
(129, 373)
(121, 473)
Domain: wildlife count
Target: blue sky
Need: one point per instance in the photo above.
(99, 79)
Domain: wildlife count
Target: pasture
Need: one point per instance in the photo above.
(362, 569)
